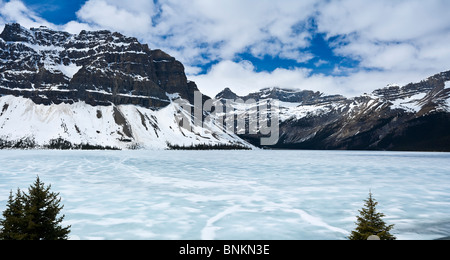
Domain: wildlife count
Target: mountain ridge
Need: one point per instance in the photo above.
(414, 117)
(94, 90)
(97, 67)
(103, 89)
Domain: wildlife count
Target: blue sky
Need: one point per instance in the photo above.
(56, 11)
(339, 46)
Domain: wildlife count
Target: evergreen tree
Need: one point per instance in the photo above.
(34, 216)
(370, 223)
(13, 224)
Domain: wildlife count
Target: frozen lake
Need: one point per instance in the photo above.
(236, 194)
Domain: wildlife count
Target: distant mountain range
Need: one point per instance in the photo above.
(415, 117)
(105, 90)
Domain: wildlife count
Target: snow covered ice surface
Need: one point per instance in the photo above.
(236, 194)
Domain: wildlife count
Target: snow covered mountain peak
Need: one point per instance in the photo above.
(99, 67)
(96, 89)
(411, 117)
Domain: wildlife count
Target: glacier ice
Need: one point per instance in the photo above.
(236, 194)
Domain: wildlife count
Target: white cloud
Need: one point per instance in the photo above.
(242, 78)
(16, 11)
(109, 15)
(384, 20)
(398, 41)
(320, 63)
(198, 31)
(390, 35)
(75, 27)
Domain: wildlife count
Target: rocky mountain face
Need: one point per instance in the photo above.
(93, 90)
(304, 97)
(100, 68)
(415, 117)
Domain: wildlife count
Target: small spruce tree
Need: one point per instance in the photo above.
(33, 216)
(370, 223)
(13, 226)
